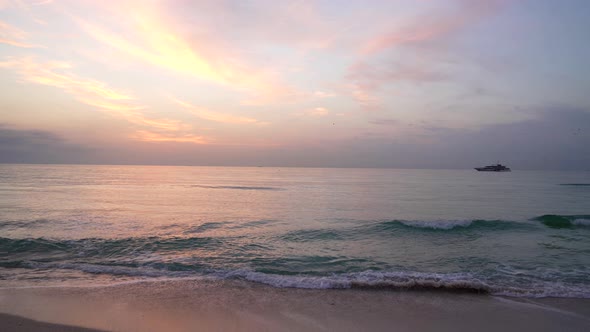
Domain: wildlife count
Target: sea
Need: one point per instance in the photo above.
(515, 234)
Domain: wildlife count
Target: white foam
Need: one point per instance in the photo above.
(411, 280)
(581, 222)
(519, 286)
(366, 279)
(440, 224)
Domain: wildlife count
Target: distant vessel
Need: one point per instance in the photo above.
(493, 168)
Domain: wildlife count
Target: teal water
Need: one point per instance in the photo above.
(522, 233)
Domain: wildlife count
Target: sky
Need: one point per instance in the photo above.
(398, 83)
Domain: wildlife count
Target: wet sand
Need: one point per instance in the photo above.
(18, 324)
(199, 305)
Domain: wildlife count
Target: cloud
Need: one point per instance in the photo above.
(412, 53)
(14, 137)
(206, 114)
(557, 138)
(324, 94)
(365, 95)
(47, 74)
(145, 34)
(262, 21)
(27, 7)
(37, 146)
(377, 75)
(317, 112)
(90, 92)
(432, 26)
(99, 95)
(13, 36)
(147, 136)
(42, 2)
(384, 122)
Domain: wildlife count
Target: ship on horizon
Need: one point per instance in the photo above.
(493, 168)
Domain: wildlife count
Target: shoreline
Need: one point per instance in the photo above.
(204, 305)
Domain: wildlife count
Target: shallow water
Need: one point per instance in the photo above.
(522, 233)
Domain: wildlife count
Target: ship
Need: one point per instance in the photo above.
(493, 168)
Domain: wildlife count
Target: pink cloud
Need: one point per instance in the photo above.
(433, 26)
(410, 54)
(375, 75)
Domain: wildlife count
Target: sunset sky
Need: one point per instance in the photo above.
(398, 83)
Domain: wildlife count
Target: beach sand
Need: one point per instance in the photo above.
(206, 305)
(10, 323)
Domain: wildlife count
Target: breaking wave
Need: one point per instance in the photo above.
(449, 225)
(519, 286)
(563, 221)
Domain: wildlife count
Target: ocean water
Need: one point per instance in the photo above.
(522, 234)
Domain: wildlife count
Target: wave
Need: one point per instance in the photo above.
(255, 224)
(389, 227)
(380, 228)
(449, 225)
(99, 247)
(34, 223)
(148, 258)
(205, 227)
(549, 220)
(112, 248)
(465, 282)
(299, 258)
(581, 222)
(442, 224)
(369, 280)
(563, 221)
(338, 233)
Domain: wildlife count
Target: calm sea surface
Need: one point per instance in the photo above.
(523, 233)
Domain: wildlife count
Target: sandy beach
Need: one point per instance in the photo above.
(11, 323)
(201, 305)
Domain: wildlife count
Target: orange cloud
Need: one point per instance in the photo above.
(91, 92)
(27, 7)
(148, 136)
(323, 94)
(13, 36)
(99, 95)
(318, 111)
(213, 116)
(364, 96)
(156, 42)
